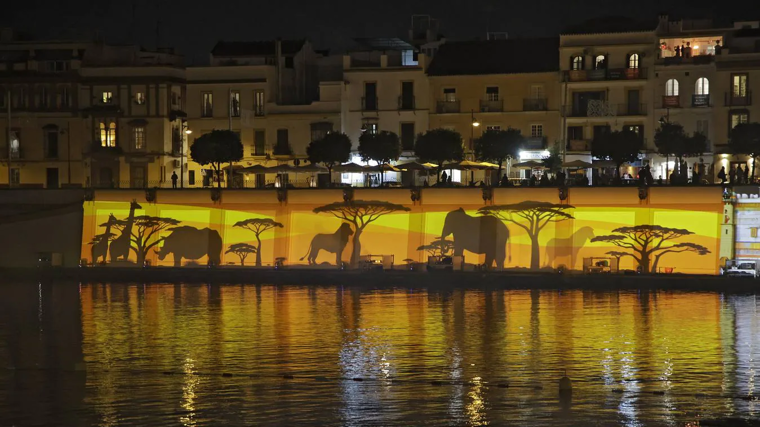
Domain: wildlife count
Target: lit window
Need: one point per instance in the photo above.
(207, 104)
(493, 128)
(108, 134)
(258, 102)
(140, 98)
(450, 94)
(633, 60)
(492, 93)
(671, 87)
(235, 103)
(600, 62)
(739, 119)
(577, 63)
(739, 85)
(702, 86)
(138, 137)
(536, 131)
(107, 97)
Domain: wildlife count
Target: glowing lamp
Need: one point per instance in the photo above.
(188, 131)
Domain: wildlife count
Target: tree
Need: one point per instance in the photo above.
(215, 148)
(382, 147)
(497, 146)
(618, 146)
(360, 213)
(745, 139)
(438, 247)
(439, 146)
(242, 250)
(145, 231)
(258, 226)
(536, 215)
(671, 140)
(332, 150)
(553, 162)
(646, 241)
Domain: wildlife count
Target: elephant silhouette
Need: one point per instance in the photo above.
(334, 243)
(478, 234)
(192, 243)
(569, 246)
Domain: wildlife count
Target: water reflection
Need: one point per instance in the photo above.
(155, 355)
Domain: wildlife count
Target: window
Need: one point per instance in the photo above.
(259, 142)
(65, 97)
(493, 128)
(175, 99)
(108, 134)
(633, 60)
(15, 144)
(370, 127)
(56, 66)
(407, 136)
(575, 133)
(600, 62)
(282, 148)
(138, 137)
(536, 131)
(235, 103)
(191, 177)
(492, 93)
(537, 92)
(107, 97)
(671, 87)
(258, 102)
(319, 130)
(576, 63)
(739, 85)
(15, 176)
(450, 94)
(140, 98)
(370, 96)
(19, 100)
(51, 144)
(738, 118)
(637, 129)
(207, 104)
(702, 87)
(407, 96)
(703, 127)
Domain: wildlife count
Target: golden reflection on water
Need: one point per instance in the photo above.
(634, 357)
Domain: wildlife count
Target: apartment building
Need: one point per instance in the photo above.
(478, 86)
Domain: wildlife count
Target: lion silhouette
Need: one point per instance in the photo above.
(334, 243)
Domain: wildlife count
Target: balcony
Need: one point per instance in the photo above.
(680, 60)
(369, 103)
(491, 105)
(446, 107)
(733, 100)
(535, 104)
(578, 145)
(671, 101)
(406, 103)
(594, 108)
(609, 74)
(700, 100)
(632, 109)
(17, 154)
(534, 143)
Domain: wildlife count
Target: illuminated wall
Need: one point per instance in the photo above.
(527, 228)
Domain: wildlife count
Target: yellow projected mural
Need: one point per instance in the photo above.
(663, 235)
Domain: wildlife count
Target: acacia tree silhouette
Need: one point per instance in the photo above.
(145, 231)
(439, 247)
(360, 213)
(242, 250)
(646, 241)
(258, 226)
(536, 215)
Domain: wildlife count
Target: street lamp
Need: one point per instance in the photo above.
(187, 131)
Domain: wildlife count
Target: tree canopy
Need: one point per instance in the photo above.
(618, 146)
(645, 241)
(215, 148)
(439, 146)
(333, 149)
(532, 217)
(145, 233)
(382, 147)
(553, 162)
(242, 250)
(360, 213)
(671, 140)
(498, 145)
(438, 247)
(258, 226)
(745, 139)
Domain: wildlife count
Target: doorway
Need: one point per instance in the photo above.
(52, 178)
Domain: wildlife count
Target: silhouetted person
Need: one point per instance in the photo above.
(174, 179)
(718, 47)
(659, 180)
(722, 175)
(444, 177)
(678, 51)
(648, 175)
(642, 178)
(544, 181)
(561, 178)
(449, 179)
(532, 181)
(584, 180)
(732, 176)
(504, 181)
(687, 50)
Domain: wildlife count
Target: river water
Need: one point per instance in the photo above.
(198, 355)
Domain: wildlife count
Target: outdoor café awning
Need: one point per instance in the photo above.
(530, 164)
(416, 166)
(254, 169)
(350, 168)
(579, 164)
(311, 168)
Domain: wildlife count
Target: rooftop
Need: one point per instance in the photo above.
(510, 56)
(256, 48)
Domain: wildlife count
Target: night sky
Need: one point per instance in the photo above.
(194, 30)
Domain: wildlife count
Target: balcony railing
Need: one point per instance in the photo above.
(700, 100)
(17, 154)
(406, 103)
(671, 101)
(733, 100)
(491, 105)
(631, 109)
(534, 143)
(608, 74)
(680, 60)
(593, 108)
(535, 104)
(444, 107)
(369, 103)
(578, 145)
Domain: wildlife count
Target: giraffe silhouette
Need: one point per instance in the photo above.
(101, 241)
(120, 246)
